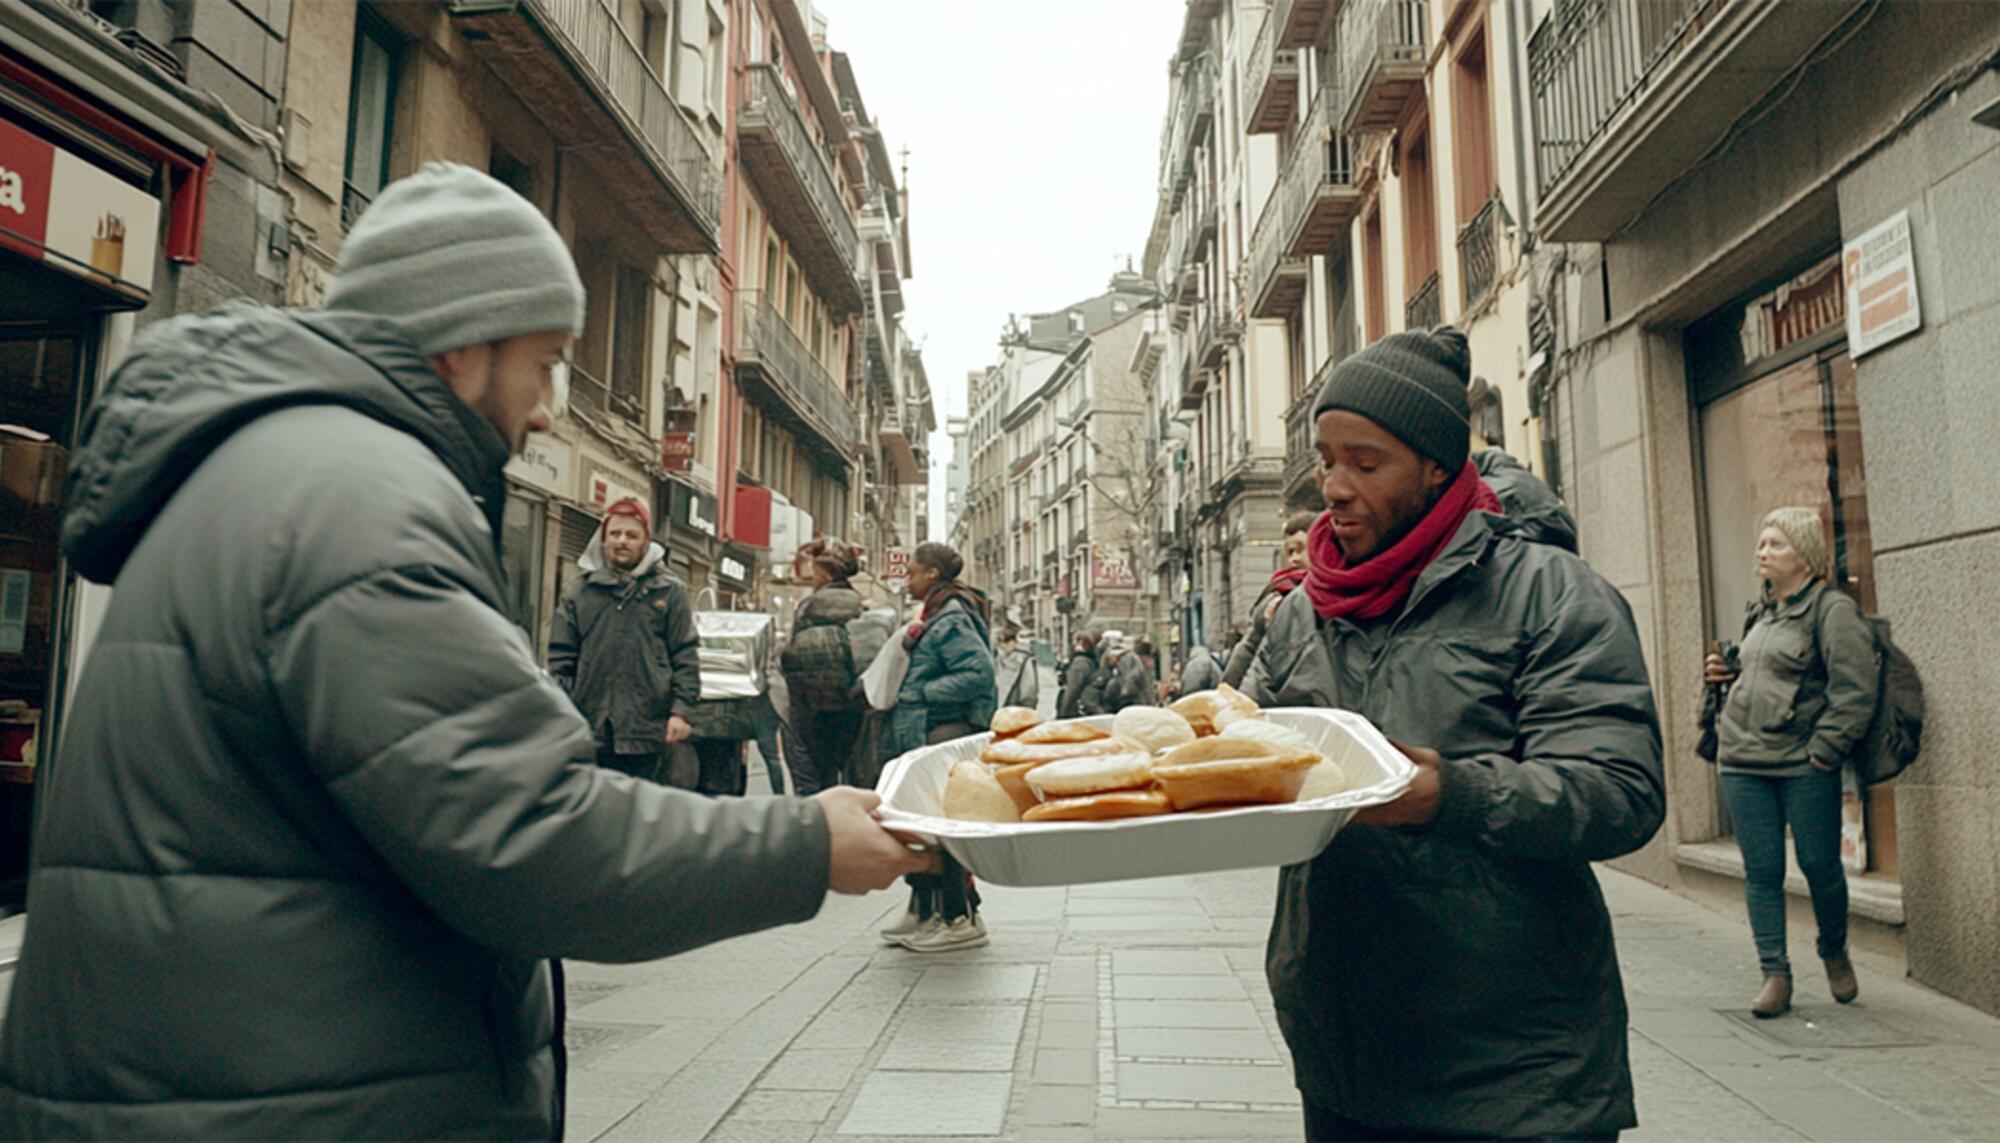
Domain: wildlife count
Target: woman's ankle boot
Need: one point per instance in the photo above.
(1775, 999)
(1840, 978)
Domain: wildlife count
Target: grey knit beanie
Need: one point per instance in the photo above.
(458, 259)
(1413, 384)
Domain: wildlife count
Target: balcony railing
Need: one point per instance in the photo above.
(1316, 197)
(1382, 47)
(784, 366)
(1302, 458)
(588, 394)
(1271, 84)
(1193, 382)
(799, 187)
(1298, 21)
(1589, 59)
(1079, 538)
(1425, 309)
(1274, 282)
(1479, 249)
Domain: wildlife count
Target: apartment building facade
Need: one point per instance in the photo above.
(1773, 283)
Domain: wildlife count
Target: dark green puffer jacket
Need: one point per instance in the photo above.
(318, 817)
(1460, 978)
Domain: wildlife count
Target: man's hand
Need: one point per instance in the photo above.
(1715, 669)
(678, 730)
(1419, 803)
(864, 855)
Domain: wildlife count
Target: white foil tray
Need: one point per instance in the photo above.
(1071, 853)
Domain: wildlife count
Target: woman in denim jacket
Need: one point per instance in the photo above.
(1799, 698)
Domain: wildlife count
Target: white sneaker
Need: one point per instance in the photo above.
(936, 936)
(909, 924)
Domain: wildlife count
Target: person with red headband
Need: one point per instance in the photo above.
(623, 645)
(1445, 968)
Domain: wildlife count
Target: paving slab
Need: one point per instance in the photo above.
(929, 1104)
(1066, 1066)
(1044, 1105)
(814, 1069)
(1197, 1043)
(956, 1038)
(948, 984)
(1173, 962)
(1206, 1083)
(1186, 1014)
(785, 1105)
(1177, 988)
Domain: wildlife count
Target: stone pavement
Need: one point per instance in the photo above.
(1138, 1010)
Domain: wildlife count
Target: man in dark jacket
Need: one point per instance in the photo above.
(1446, 967)
(1076, 676)
(319, 818)
(623, 645)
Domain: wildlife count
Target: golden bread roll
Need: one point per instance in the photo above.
(1264, 730)
(1323, 781)
(1076, 776)
(1101, 807)
(1210, 712)
(972, 794)
(1013, 751)
(1014, 780)
(1058, 732)
(1232, 771)
(1155, 728)
(1236, 706)
(1010, 721)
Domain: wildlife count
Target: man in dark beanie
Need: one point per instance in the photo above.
(1446, 967)
(322, 819)
(623, 645)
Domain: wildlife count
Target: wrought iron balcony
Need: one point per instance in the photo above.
(1298, 21)
(648, 155)
(1271, 84)
(1193, 383)
(1274, 282)
(1382, 48)
(1480, 246)
(780, 374)
(1301, 457)
(798, 187)
(587, 394)
(1316, 197)
(1079, 538)
(1627, 94)
(1425, 309)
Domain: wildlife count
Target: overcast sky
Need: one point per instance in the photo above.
(1034, 132)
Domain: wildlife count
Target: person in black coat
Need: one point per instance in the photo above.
(1076, 676)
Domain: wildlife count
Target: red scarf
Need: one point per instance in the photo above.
(1285, 579)
(1380, 584)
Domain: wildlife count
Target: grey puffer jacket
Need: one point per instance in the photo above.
(1807, 687)
(625, 649)
(1460, 978)
(319, 816)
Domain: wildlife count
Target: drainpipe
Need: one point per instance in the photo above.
(1523, 91)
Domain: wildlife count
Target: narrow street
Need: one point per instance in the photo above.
(1138, 1010)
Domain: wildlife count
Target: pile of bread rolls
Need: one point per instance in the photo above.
(1209, 750)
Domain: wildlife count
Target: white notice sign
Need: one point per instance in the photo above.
(1880, 273)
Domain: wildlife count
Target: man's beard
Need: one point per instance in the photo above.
(628, 564)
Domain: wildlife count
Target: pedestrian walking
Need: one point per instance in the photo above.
(623, 644)
(1014, 665)
(820, 671)
(1137, 682)
(1289, 575)
(321, 816)
(1201, 672)
(1077, 674)
(1445, 967)
(947, 693)
(1100, 692)
(1800, 693)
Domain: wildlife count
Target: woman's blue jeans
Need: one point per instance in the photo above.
(1762, 808)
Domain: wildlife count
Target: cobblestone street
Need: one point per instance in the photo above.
(1138, 1010)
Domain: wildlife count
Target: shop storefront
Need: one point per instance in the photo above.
(693, 536)
(81, 220)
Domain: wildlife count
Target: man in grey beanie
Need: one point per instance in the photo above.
(320, 819)
(1445, 968)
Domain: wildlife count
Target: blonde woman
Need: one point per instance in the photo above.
(1800, 696)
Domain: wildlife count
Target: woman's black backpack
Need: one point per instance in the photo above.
(1896, 733)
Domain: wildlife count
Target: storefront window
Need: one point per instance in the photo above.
(521, 548)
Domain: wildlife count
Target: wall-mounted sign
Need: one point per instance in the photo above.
(545, 463)
(896, 565)
(1111, 571)
(737, 568)
(1881, 272)
(59, 208)
(602, 488)
(695, 510)
(677, 443)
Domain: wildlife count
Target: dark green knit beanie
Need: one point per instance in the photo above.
(1413, 384)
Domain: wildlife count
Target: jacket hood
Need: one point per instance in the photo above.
(190, 383)
(1540, 513)
(971, 600)
(593, 559)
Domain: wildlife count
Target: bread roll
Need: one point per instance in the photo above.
(1075, 776)
(1014, 780)
(972, 794)
(1264, 730)
(1232, 771)
(1211, 712)
(1101, 807)
(1010, 721)
(1070, 731)
(1153, 727)
(1013, 751)
(1236, 706)
(1323, 781)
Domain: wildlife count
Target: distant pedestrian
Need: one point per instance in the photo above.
(1445, 968)
(948, 693)
(623, 645)
(1077, 675)
(1137, 682)
(1201, 672)
(820, 669)
(1018, 675)
(1101, 690)
(1800, 695)
(321, 817)
(1289, 575)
